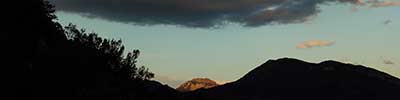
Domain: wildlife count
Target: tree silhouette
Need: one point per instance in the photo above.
(112, 50)
(28, 33)
(47, 61)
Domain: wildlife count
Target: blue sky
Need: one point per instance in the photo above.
(180, 53)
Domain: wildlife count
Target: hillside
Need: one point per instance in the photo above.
(292, 79)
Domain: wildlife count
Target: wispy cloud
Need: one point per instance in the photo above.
(379, 3)
(387, 22)
(198, 13)
(376, 3)
(314, 43)
(388, 62)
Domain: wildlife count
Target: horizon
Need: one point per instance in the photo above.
(356, 34)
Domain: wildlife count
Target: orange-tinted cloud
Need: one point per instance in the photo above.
(385, 3)
(314, 43)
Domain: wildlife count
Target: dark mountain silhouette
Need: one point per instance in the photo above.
(291, 79)
(197, 83)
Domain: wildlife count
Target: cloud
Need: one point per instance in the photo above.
(197, 13)
(376, 3)
(380, 3)
(354, 9)
(387, 22)
(314, 43)
(388, 62)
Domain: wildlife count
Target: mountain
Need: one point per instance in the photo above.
(197, 83)
(292, 79)
(153, 90)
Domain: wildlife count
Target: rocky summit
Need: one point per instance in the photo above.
(197, 83)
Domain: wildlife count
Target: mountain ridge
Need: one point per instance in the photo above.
(288, 79)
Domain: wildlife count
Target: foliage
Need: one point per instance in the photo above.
(48, 61)
(112, 50)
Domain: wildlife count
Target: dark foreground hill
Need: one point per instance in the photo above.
(291, 79)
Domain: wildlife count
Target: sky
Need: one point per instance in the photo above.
(221, 40)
